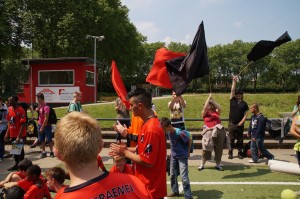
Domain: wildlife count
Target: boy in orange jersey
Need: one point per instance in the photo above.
(55, 179)
(72, 134)
(120, 166)
(38, 189)
(16, 129)
(151, 149)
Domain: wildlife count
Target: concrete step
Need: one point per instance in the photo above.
(269, 144)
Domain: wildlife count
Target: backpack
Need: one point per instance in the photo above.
(76, 107)
(52, 116)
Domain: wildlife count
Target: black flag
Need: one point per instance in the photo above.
(182, 70)
(263, 47)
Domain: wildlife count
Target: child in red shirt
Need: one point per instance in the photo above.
(120, 166)
(38, 189)
(18, 175)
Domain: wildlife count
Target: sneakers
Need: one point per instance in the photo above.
(52, 155)
(173, 194)
(43, 155)
(219, 168)
(13, 168)
(230, 155)
(252, 161)
(200, 168)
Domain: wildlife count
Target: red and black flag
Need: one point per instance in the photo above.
(158, 74)
(177, 70)
(182, 70)
(118, 84)
(263, 47)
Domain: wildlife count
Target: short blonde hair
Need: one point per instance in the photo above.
(77, 93)
(78, 139)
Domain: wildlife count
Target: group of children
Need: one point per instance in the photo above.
(28, 182)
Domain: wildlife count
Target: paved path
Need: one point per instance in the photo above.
(194, 160)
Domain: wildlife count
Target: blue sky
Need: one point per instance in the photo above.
(224, 20)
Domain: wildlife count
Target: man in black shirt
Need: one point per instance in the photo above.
(237, 116)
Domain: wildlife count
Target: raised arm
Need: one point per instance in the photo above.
(204, 109)
(233, 86)
(217, 106)
(181, 101)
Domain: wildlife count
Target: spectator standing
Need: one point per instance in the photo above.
(151, 149)
(16, 129)
(296, 109)
(44, 128)
(256, 130)
(177, 106)
(3, 127)
(214, 135)
(75, 104)
(237, 115)
(87, 181)
(180, 141)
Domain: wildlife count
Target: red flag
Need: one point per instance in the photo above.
(118, 84)
(158, 74)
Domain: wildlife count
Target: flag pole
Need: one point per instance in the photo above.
(245, 67)
(209, 82)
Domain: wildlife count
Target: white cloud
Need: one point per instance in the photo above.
(238, 24)
(167, 40)
(187, 39)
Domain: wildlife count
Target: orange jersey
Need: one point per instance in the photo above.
(35, 192)
(107, 185)
(128, 169)
(152, 149)
(16, 118)
(135, 128)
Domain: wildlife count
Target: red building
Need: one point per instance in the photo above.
(58, 79)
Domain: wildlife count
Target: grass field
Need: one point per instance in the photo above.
(271, 106)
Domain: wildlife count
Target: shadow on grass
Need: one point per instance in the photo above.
(211, 194)
(258, 172)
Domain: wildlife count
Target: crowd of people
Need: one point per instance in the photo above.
(139, 169)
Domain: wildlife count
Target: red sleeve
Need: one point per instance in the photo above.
(24, 184)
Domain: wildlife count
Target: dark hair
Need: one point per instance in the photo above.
(57, 173)
(165, 122)
(0, 97)
(24, 164)
(142, 96)
(40, 95)
(34, 170)
(15, 98)
(14, 192)
(298, 101)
